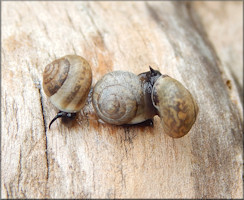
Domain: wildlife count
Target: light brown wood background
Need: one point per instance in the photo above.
(199, 44)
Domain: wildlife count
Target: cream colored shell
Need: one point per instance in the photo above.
(118, 98)
(67, 82)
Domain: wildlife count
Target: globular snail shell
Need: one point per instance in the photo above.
(176, 106)
(115, 97)
(125, 98)
(67, 81)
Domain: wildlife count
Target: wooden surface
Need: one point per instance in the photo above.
(199, 44)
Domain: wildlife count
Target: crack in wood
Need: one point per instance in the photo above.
(6, 191)
(20, 167)
(45, 129)
(42, 109)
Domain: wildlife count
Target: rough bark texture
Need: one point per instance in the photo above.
(199, 44)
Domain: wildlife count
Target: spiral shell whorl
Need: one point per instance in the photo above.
(115, 97)
(67, 82)
(176, 106)
(54, 75)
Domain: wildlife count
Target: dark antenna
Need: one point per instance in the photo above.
(60, 114)
(152, 70)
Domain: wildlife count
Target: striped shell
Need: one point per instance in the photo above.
(176, 106)
(67, 82)
(116, 98)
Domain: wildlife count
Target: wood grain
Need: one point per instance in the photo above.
(187, 41)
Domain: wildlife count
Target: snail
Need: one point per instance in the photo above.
(121, 97)
(67, 82)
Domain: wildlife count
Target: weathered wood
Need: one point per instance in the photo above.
(95, 160)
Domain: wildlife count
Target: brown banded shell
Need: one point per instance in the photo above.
(67, 82)
(117, 98)
(176, 106)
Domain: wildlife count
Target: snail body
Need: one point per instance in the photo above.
(125, 98)
(67, 81)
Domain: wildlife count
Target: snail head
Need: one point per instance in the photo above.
(64, 115)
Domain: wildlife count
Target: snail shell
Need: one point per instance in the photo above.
(176, 106)
(118, 99)
(67, 82)
(124, 98)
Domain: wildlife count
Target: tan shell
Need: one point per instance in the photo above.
(67, 82)
(176, 106)
(118, 98)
